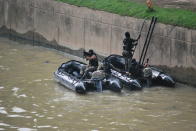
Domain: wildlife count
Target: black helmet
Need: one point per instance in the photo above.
(91, 51)
(127, 34)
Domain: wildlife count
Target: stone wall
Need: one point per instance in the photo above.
(70, 28)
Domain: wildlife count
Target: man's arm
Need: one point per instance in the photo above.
(91, 57)
(137, 38)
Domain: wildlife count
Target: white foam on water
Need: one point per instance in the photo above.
(45, 126)
(52, 106)
(26, 129)
(18, 110)
(38, 80)
(85, 119)
(15, 89)
(1, 87)
(35, 120)
(2, 110)
(48, 79)
(50, 118)
(19, 116)
(2, 129)
(4, 68)
(60, 115)
(4, 124)
(35, 105)
(15, 116)
(23, 95)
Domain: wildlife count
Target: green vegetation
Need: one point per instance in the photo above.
(171, 16)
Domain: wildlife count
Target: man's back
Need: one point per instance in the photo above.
(93, 61)
(128, 44)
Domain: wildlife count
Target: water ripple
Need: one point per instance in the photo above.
(45, 126)
(18, 116)
(23, 95)
(26, 129)
(18, 110)
(15, 90)
(4, 124)
(2, 110)
(4, 68)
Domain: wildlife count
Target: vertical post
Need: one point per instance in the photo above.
(148, 42)
(147, 37)
(84, 34)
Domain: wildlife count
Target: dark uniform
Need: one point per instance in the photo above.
(135, 69)
(128, 45)
(93, 63)
(128, 49)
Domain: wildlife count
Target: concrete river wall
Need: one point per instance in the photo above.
(70, 28)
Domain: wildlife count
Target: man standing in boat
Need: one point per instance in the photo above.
(128, 47)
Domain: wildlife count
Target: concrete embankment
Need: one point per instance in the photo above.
(71, 29)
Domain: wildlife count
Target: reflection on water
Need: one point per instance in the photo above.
(31, 100)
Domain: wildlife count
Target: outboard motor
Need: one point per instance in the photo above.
(80, 88)
(115, 85)
(135, 85)
(97, 78)
(167, 80)
(148, 76)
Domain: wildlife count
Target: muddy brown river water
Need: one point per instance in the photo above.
(31, 100)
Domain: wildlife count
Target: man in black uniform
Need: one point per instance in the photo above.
(128, 48)
(93, 62)
(128, 45)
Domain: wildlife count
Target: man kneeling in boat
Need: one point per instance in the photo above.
(93, 63)
(147, 71)
(102, 72)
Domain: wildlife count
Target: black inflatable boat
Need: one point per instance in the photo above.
(68, 74)
(118, 70)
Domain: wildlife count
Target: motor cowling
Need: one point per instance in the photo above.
(115, 85)
(80, 88)
(135, 85)
(147, 72)
(167, 80)
(98, 75)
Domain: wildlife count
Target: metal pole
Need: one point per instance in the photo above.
(146, 39)
(138, 36)
(148, 42)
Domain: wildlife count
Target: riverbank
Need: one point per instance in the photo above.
(177, 4)
(173, 16)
